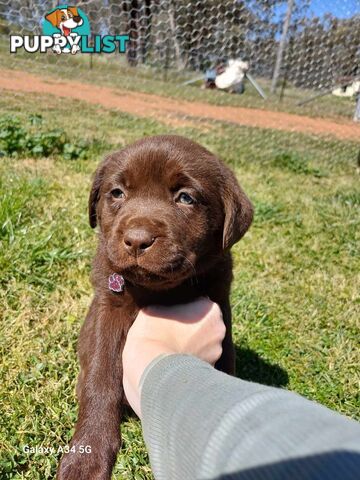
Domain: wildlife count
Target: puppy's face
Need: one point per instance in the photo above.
(166, 208)
(65, 19)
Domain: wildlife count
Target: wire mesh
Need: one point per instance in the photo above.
(303, 54)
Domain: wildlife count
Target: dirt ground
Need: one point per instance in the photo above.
(164, 108)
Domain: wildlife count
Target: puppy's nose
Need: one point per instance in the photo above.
(77, 19)
(138, 240)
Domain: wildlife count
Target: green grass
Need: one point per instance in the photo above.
(295, 295)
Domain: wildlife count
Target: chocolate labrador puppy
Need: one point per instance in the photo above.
(168, 212)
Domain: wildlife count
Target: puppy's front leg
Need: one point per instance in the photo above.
(96, 441)
(226, 362)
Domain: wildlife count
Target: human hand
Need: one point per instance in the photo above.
(194, 328)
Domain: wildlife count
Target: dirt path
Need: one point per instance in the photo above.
(146, 105)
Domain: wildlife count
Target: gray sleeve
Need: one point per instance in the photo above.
(199, 423)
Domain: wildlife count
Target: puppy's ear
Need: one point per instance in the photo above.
(74, 11)
(53, 18)
(95, 194)
(238, 211)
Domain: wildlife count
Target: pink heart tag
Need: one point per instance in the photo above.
(116, 282)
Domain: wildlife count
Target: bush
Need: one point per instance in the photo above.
(294, 163)
(17, 140)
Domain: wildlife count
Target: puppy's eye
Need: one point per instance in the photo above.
(63, 18)
(185, 198)
(117, 193)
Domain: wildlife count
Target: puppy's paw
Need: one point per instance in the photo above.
(87, 459)
(75, 49)
(76, 467)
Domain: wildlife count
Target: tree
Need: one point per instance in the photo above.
(282, 43)
(327, 50)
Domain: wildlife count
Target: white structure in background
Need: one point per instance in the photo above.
(357, 107)
(347, 90)
(351, 89)
(233, 74)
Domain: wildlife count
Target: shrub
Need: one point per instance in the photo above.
(17, 140)
(294, 163)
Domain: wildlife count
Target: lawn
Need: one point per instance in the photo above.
(295, 295)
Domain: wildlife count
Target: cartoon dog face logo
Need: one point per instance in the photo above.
(65, 19)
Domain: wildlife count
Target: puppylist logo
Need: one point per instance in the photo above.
(66, 29)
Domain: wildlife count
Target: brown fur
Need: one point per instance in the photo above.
(181, 252)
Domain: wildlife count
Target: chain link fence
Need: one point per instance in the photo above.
(304, 55)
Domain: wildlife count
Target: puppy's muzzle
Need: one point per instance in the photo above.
(138, 240)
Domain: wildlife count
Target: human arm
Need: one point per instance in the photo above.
(202, 424)
(199, 423)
